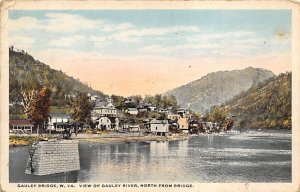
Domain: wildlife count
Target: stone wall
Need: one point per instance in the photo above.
(53, 156)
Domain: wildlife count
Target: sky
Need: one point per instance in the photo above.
(130, 52)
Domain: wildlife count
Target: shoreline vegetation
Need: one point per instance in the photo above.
(106, 137)
(22, 140)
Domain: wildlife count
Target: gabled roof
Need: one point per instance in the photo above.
(132, 109)
(23, 122)
(101, 104)
(155, 121)
(59, 115)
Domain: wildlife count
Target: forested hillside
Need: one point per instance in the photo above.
(27, 73)
(266, 105)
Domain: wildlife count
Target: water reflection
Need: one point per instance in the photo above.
(253, 157)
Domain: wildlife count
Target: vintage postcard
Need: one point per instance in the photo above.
(150, 96)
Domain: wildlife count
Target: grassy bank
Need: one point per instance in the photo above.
(24, 140)
(99, 138)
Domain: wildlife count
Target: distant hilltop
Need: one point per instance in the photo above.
(218, 87)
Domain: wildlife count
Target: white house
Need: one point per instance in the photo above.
(159, 127)
(22, 125)
(131, 111)
(94, 98)
(104, 109)
(105, 115)
(57, 118)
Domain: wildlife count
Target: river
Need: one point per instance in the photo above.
(255, 156)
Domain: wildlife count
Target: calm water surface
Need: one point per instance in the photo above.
(247, 157)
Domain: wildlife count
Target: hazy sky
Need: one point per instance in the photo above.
(129, 52)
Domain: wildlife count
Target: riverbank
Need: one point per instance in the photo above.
(127, 138)
(18, 140)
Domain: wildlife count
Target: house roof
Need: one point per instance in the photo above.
(14, 122)
(154, 121)
(61, 115)
(101, 104)
(132, 109)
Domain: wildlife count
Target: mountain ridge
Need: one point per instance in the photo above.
(209, 90)
(267, 105)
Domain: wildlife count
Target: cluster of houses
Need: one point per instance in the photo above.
(105, 116)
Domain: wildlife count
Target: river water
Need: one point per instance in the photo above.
(248, 157)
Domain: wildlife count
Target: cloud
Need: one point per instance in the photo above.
(24, 23)
(58, 22)
(66, 41)
(213, 36)
(22, 42)
(227, 44)
(133, 34)
(183, 47)
(64, 23)
(179, 40)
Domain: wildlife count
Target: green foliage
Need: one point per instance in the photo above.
(40, 107)
(82, 108)
(163, 102)
(26, 73)
(267, 105)
(196, 115)
(219, 115)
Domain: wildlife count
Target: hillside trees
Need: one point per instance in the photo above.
(39, 107)
(28, 75)
(267, 105)
(82, 108)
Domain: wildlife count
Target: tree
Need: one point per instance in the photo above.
(229, 124)
(196, 115)
(82, 108)
(28, 97)
(39, 107)
(137, 99)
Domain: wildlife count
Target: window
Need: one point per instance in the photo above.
(156, 128)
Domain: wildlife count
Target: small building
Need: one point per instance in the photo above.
(174, 117)
(57, 121)
(134, 128)
(104, 109)
(21, 125)
(95, 98)
(131, 111)
(183, 112)
(159, 127)
(105, 115)
(143, 108)
(152, 108)
(183, 124)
